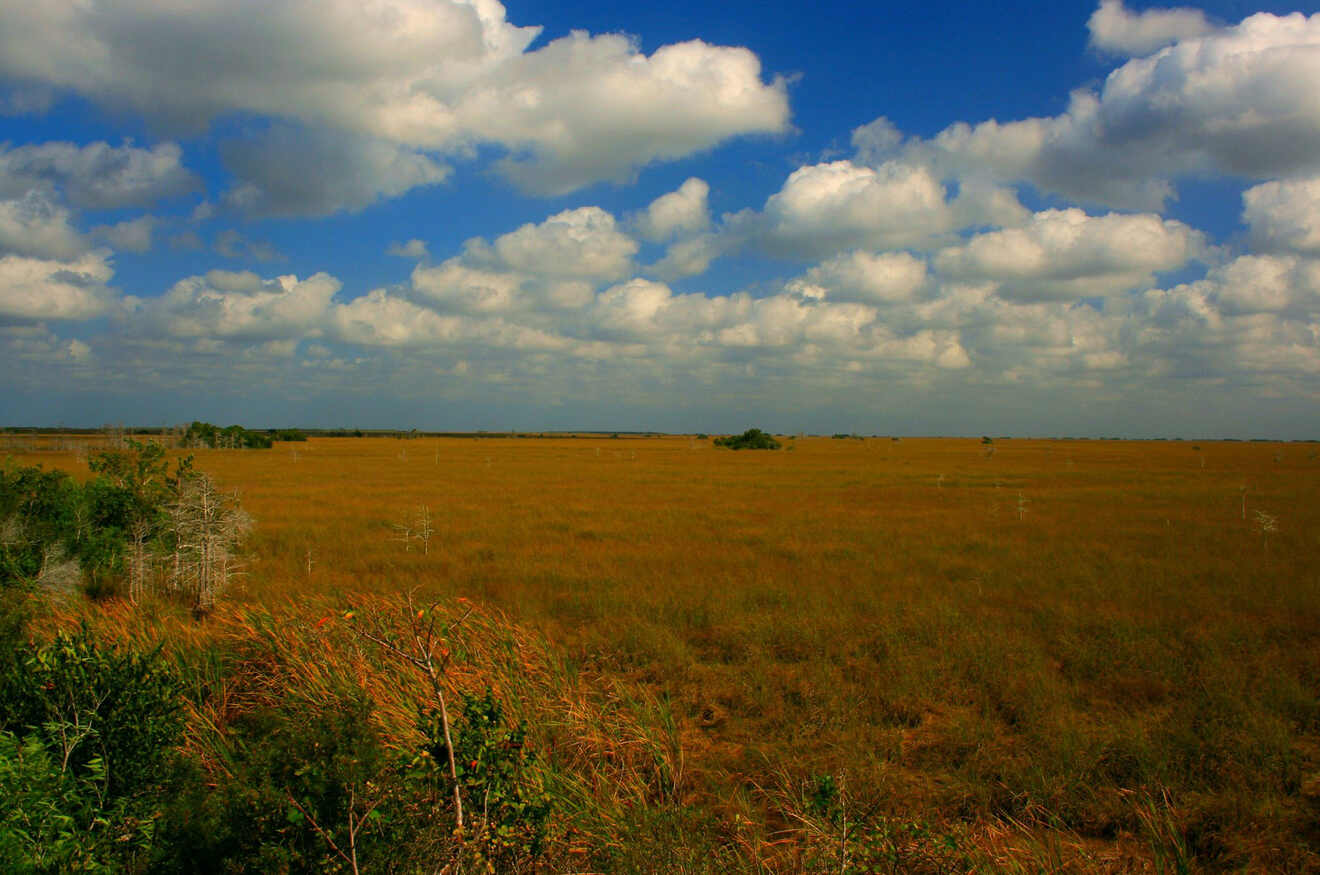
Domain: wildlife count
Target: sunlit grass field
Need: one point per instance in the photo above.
(1081, 654)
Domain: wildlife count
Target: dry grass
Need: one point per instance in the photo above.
(1080, 651)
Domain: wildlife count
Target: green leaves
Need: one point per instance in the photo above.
(49, 520)
(90, 703)
(85, 735)
(508, 807)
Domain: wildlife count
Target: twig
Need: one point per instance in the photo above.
(323, 834)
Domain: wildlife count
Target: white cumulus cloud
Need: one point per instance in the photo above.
(454, 285)
(680, 213)
(1115, 28)
(381, 319)
(35, 225)
(38, 289)
(414, 248)
(130, 235)
(1066, 254)
(823, 209)
(1238, 100)
(96, 175)
(434, 75)
(242, 305)
(1266, 284)
(298, 172)
(1284, 214)
(867, 277)
(556, 264)
(840, 205)
(584, 242)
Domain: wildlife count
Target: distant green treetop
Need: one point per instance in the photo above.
(752, 439)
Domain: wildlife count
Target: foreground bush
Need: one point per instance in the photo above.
(87, 749)
(52, 820)
(308, 748)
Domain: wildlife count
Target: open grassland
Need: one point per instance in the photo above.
(1079, 654)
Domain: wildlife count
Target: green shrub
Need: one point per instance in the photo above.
(296, 775)
(52, 820)
(506, 807)
(39, 514)
(46, 517)
(845, 836)
(123, 708)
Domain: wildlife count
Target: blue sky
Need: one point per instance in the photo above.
(1066, 219)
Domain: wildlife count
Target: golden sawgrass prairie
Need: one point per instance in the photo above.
(1113, 645)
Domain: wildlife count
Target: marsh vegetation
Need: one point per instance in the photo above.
(864, 655)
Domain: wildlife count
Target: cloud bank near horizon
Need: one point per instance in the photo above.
(1032, 259)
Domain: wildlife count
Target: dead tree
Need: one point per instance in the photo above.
(423, 530)
(206, 525)
(139, 558)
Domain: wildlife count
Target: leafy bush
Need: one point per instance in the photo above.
(100, 711)
(52, 820)
(46, 517)
(298, 779)
(506, 806)
(38, 521)
(851, 838)
(313, 787)
(134, 523)
(87, 737)
(56, 531)
(752, 439)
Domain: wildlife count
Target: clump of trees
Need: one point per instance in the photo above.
(233, 437)
(752, 439)
(135, 528)
(236, 437)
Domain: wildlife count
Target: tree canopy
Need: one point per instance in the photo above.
(752, 439)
